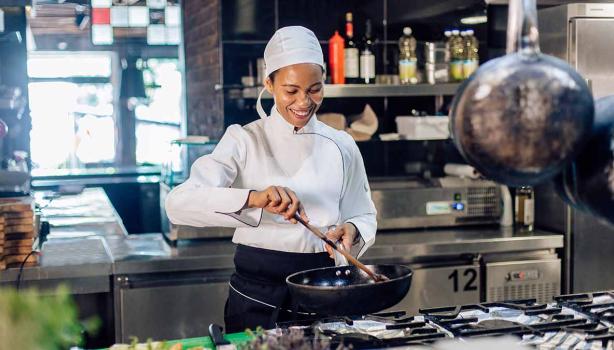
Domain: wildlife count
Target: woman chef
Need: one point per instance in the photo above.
(261, 174)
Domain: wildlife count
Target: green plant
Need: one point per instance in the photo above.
(30, 320)
(284, 339)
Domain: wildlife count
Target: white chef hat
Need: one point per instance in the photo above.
(292, 45)
(288, 46)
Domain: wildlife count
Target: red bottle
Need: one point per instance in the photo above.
(336, 44)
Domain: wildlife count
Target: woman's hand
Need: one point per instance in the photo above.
(345, 233)
(278, 200)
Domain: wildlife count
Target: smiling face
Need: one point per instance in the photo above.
(298, 91)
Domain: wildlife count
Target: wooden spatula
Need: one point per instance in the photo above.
(375, 276)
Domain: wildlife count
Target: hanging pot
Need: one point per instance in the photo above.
(521, 117)
(588, 182)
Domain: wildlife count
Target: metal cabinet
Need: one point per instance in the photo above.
(495, 277)
(442, 286)
(168, 306)
(539, 279)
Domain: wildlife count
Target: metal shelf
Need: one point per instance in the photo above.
(358, 90)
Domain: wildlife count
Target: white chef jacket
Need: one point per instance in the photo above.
(323, 166)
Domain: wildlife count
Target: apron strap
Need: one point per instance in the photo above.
(275, 315)
(276, 307)
(293, 309)
(259, 108)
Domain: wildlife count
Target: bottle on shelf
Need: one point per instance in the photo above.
(335, 59)
(407, 57)
(351, 54)
(524, 208)
(456, 56)
(471, 53)
(367, 56)
(448, 41)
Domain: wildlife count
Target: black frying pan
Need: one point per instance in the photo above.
(347, 290)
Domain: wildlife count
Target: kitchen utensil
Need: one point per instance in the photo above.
(520, 118)
(588, 182)
(348, 256)
(347, 290)
(217, 336)
(423, 128)
(435, 52)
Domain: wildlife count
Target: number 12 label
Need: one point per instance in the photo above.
(468, 280)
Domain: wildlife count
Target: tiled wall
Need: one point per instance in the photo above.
(201, 49)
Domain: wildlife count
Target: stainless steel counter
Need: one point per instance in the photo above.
(149, 253)
(87, 240)
(408, 246)
(76, 252)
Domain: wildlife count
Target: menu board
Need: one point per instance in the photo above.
(152, 22)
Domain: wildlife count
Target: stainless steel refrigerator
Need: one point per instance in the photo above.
(583, 35)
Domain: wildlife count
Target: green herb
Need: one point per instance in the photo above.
(284, 339)
(30, 320)
(149, 345)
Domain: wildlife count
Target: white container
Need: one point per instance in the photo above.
(423, 128)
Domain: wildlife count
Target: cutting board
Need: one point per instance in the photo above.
(207, 343)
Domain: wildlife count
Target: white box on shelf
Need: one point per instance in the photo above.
(423, 128)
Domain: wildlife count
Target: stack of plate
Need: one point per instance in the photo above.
(17, 231)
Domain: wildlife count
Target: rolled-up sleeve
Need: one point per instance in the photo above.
(356, 205)
(207, 198)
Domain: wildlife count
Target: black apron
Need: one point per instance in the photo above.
(258, 295)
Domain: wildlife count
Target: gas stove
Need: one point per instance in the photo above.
(381, 330)
(575, 321)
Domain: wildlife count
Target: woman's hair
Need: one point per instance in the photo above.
(272, 75)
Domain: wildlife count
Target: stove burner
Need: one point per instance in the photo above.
(310, 321)
(588, 328)
(379, 331)
(605, 339)
(365, 341)
(394, 314)
(409, 325)
(387, 319)
(582, 298)
(575, 321)
(451, 312)
(493, 324)
(587, 304)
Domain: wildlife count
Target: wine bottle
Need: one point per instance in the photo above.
(367, 56)
(351, 54)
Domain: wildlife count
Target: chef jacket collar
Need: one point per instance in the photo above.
(286, 128)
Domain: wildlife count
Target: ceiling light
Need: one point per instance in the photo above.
(474, 20)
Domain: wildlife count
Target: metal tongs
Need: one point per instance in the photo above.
(375, 276)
